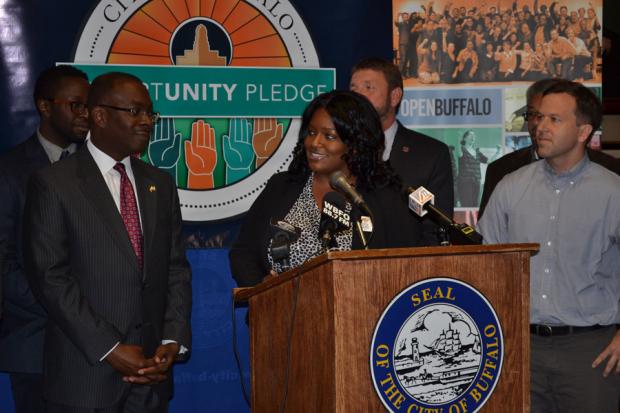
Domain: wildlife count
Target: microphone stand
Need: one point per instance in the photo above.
(360, 232)
(328, 240)
(444, 238)
(450, 231)
(280, 250)
(357, 217)
(454, 233)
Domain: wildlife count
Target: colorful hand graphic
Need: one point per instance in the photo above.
(238, 151)
(200, 156)
(165, 147)
(267, 137)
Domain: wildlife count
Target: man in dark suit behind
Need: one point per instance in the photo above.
(60, 95)
(103, 254)
(418, 159)
(524, 156)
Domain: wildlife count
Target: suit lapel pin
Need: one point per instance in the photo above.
(406, 149)
(152, 188)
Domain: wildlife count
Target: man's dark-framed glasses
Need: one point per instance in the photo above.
(76, 106)
(531, 115)
(134, 112)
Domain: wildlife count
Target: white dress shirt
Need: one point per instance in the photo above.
(390, 135)
(52, 150)
(112, 178)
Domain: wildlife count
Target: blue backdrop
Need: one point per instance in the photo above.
(35, 34)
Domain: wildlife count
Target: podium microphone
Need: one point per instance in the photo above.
(334, 219)
(421, 202)
(283, 235)
(338, 181)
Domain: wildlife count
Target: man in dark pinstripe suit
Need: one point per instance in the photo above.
(60, 94)
(118, 296)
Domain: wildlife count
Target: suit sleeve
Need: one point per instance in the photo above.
(47, 265)
(179, 298)
(442, 185)
(13, 285)
(608, 161)
(491, 179)
(442, 182)
(400, 228)
(247, 255)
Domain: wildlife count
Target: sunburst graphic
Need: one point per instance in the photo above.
(146, 37)
(220, 164)
(204, 33)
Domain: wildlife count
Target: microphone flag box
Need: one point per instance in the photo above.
(334, 212)
(419, 198)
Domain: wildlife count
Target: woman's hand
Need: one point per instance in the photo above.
(271, 274)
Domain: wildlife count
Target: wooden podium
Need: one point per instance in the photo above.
(333, 303)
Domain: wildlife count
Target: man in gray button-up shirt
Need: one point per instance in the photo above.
(571, 206)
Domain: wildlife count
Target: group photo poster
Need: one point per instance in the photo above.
(466, 68)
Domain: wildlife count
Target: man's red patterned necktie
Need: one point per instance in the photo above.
(129, 213)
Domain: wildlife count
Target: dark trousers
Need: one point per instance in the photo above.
(579, 67)
(562, 378)
(562, 67)
(137, 399)
(27, 392)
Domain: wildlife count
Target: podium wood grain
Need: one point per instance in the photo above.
(340, 297)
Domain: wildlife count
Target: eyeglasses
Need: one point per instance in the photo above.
(76, 107)
(134, 112)
(539, 118)
(531, 116)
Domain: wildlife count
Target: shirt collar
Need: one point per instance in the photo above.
(390, 135)
(52, 150)
(104, 161)
(572, 173)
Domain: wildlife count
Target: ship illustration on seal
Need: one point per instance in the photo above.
(438, 353)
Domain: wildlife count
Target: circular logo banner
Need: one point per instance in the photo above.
(438, 346)
(220, 164)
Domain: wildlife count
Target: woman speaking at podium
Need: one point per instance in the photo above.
(340, 132)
